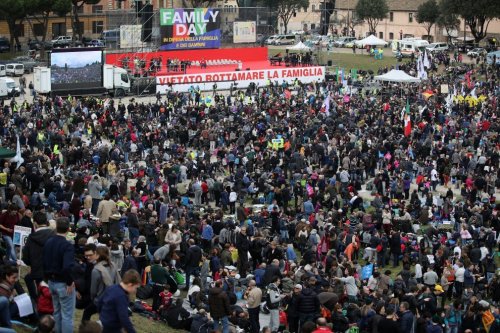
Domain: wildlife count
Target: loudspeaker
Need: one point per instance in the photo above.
(147, 23)
(248, 68)
(330, 63)
(237, 70)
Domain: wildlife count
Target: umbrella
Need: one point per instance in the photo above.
(6, 153)
(325, 297)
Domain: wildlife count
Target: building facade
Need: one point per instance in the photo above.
(401, 21)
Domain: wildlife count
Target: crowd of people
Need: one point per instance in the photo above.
(309, 211)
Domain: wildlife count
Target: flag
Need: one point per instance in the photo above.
(326, 106)
(407, 128)
(354, 74)
(473, 92)
(427, 63)
(288, 94)
(18, 158)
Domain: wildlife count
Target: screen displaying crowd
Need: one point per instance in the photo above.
(305, 208)
(76, 69)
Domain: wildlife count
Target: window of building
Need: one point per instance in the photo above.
(305, 10)
(313, 26)
(410, 17)
(391, 35)
(380, 35)
(313, 8)
(59, 29)
(79, 9)
(38, 29)
(391, 16)
(96, 9)
(19, 30)
(97, 27)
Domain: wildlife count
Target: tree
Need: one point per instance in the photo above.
(13, 12)
(38, 11)
(447, 20)
(477, 14)
(285, 9)
(75, 17)
(428, 14)
(372, 11)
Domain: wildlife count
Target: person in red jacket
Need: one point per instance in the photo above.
(44, 302)
(321, 326)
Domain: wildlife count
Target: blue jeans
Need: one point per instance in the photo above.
(5, 312)
(64, 306)
(133, 234)
(225, 324)
(11, 250)
(95, 206)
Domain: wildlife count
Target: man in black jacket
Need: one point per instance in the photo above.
(243, 245)
(308, 306)
(272, 272)
(193, 259)
(32, 253)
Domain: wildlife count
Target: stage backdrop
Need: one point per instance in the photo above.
(244, 32)
(189, 28)
(261, 77)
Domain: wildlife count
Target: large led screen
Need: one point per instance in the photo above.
(76, 68)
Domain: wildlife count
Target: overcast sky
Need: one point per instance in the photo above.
(75, 59)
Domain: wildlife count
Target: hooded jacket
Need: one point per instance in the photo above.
(218, 303)
(33, 251)
(308, 302)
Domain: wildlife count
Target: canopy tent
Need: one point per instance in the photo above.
(7, 153)
(371, 40)
(397, 76)
(299, 47)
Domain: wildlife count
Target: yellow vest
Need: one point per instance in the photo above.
(56, 149)
(3, 178)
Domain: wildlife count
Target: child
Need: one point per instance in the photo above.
(166, 299)
(44, 303)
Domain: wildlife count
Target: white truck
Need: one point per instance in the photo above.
(8, 88)
(409, 46)
(116, 80)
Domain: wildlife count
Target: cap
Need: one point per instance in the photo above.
(439, 288)
(298, 286)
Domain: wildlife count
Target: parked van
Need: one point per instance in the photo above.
(409, 46)
(111, 38)
(272, 39)
(8, 87)
(2, 70)
(14, 69)
(436, 47)
(285, 40)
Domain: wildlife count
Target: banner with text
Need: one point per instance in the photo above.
(224, 80)
(189, 28)
(130, 36)
(244, 32)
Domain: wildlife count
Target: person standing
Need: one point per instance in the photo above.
(95, 188)
(33, 252)
(218, 302)
(243, 245)
(58, 260)
(193, 259)
(274, 304)
(105, 209)
(254, 298)
(113, 305)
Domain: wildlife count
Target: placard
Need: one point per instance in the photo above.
(20, 235)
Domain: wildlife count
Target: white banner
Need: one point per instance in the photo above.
(130, 36)
(244, 32)
(205, 81)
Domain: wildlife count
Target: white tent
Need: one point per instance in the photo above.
(299, 47)
(397, 76)
(371, 40)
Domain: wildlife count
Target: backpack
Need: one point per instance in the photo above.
(270, 305)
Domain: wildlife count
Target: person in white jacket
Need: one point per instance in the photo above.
(275, 300)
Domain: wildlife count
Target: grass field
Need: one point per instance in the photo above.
(351, 61)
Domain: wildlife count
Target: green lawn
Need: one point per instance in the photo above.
(350, 61)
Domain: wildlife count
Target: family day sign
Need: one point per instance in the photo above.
(224, 80)
(189, 28)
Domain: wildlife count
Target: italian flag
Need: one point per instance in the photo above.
(407, 119)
